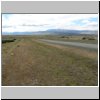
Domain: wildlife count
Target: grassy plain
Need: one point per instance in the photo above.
(29, 62)
(72, 38)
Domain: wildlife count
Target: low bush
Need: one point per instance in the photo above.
(8, 40)
(88, 38)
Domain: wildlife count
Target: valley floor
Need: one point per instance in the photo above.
(29, 62)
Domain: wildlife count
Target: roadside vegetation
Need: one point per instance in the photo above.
(72, 38)
(8, 40)
(29, 62)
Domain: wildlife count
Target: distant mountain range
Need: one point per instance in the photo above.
(64, 32)
(54, 32)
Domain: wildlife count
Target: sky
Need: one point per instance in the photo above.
(41, 22)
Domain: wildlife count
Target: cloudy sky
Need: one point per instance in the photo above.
(41, 22)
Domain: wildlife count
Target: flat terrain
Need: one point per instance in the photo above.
(77, 44)
(30, 62)
(91, 39)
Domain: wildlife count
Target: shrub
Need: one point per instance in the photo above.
(84, 38)
(88, 38)
(91, 38)
(8, 40)
(62, 36)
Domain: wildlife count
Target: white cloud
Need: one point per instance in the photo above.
(24, 22)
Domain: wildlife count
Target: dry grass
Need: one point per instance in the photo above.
(38, 64)
(72, 38)
(79, 51)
